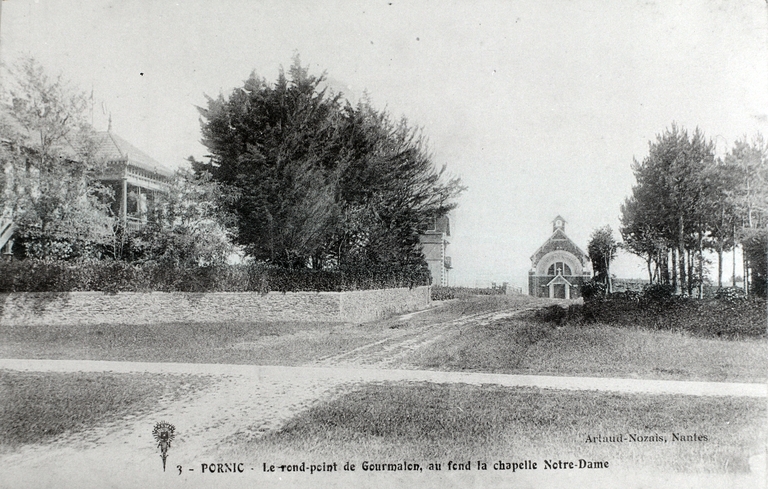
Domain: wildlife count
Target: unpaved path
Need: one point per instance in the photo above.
(247, 401)
(276, 375)
(402, 342)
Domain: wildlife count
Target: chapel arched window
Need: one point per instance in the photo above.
(559, 268)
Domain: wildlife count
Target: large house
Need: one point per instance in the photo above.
(134, 176)
(559, 268)
(434, 242)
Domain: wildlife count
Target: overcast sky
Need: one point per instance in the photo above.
(539, 106)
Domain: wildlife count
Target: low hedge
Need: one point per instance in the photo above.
(116, 276)
(727, 317)
(440, 293)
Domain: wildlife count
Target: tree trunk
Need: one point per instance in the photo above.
(681, 256)
(690, 267)
(701, 265)
(720, 263)
(733, 277)
(675, 282)
(746, 273)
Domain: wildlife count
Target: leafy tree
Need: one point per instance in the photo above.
(274, 144)
(641, 238)
(388, 191)
(748, 162)
(187, 225)
(722, 211)
(602, 251)
(755, 243)
(685, 202)
(670, 207)
(321, 183)
(48, 153)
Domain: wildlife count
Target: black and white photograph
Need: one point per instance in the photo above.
(383, 244)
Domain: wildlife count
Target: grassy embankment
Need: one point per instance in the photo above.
(705, 341)
(39, 407)
(427, 423)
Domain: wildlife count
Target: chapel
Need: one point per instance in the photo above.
(559, 268)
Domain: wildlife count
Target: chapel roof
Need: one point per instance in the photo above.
(559, 241)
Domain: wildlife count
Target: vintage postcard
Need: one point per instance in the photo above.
(475, 243)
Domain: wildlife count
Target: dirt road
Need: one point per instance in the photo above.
(402, 342)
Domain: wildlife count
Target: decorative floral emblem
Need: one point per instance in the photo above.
(164, 434)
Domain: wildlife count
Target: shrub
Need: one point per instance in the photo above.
(594, 290)
(730, 294)
(657, 292)
(709, 318)
(629, 296)
(117, 276)
(441, 293)
(559, 315)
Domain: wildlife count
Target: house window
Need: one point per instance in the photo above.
(559, 268)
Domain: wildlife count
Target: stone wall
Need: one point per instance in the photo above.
(161, 307)
(369, 305)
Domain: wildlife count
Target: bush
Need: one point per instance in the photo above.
(559, 315)
(709, 318)
(629, 296)
(658, 292)
(118, 276)
(594, 290)
(730, 294)
(440, 293)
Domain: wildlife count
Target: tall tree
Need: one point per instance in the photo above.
(722, 211)
(388, 189)
(50, 164)
(671, 201)
(641, 238)
(321, 183)
(602, 251)
(274, 144)
(749, 162)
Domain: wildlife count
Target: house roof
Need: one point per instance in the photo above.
(114, 148)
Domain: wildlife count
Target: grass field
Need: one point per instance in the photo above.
(38, 407)
(533, 347)
(428, 423)
(271, 343)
